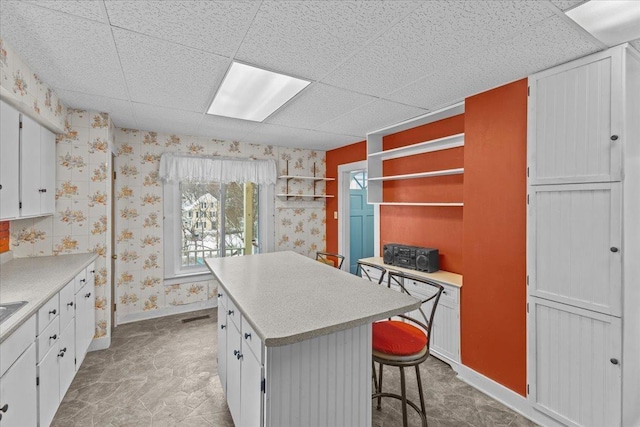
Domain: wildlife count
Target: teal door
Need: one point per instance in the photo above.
(360, 221)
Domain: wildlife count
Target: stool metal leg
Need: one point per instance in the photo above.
(403, 391)
(379, 407)
(420, 390)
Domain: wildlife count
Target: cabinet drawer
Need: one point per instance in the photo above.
(48, 313)
(67, 305)
(47, 339)
(449, 296)
(233, 314)
(251, 339)
(80, 280)
(373, 273)
(67, 358)
(222, 297)
(17, 343)
(90, 273)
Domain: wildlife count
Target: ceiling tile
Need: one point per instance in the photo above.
(566, 4)
(89, 9)
(225, 127)
(428, 41)
(212, 26)
(167, 74)
(310, 38)
(65, 51)
(316, 105)
(282, 136)
(119, 110)
(371, 117)
(166, 120)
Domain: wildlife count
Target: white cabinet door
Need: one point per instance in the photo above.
(85, 320)
(574, 364)
(49, 385)
(9, 161)
(572, 122)
(67, 358)
(575, 245)
(30, 165)
(18, 392)
(233, 372)
(47, 171)
(222, 344)
(251, 390)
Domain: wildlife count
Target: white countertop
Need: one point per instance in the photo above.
(36, 280)
(440, 276)
(287, 297)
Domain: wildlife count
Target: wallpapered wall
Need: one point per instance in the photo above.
(21, 84)
(139, 271)
(81, 221)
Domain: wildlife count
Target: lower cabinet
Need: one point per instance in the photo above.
(84, 321)
(18, 391)
(67, 360)
(240, 370)
(49, 385)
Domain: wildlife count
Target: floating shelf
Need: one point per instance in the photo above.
(444, 172)
(417, 204)
(308, 178)
(315, 196)
(445, 143)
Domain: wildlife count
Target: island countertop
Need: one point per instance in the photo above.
(288, 298)
(36, 280)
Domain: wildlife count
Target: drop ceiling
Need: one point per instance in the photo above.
(156, 65)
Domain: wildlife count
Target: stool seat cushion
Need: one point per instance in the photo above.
(398, 338)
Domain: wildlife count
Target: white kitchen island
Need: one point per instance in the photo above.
(294, 340)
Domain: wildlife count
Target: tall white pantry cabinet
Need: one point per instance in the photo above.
(583, 233)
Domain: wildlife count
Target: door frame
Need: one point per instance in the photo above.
(344, 180)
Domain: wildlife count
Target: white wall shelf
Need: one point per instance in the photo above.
(376, 155)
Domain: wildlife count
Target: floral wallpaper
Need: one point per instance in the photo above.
(81, 221)
(20, 84)
(139, 268)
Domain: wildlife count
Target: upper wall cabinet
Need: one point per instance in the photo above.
(575, 118)
(9, 161)
(37, 169)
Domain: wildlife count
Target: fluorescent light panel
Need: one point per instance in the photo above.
(610, 21)
(252, 93)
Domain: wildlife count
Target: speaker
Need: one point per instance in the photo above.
(387, 253)
(427, 259)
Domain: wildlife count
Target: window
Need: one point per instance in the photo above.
(208, 220)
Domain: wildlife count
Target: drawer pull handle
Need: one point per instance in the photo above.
(614, 361)
(61, 354)
(231, 312)
(54, 311)
(92, 272)
(247, 336)
(614, 249)
(223, 326)
(614, 137)
(70, 304)
(53, 337)
(4, 408)
(83, 280)
(239, 356)
(87, 295)
(64, 350)
(236, 352)
(219, 295)
(42, 190)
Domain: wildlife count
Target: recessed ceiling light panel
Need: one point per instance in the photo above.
(610, 21)
(252, 93)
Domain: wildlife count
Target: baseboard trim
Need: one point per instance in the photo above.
(101, 343)
(167, 311)
(506, 396)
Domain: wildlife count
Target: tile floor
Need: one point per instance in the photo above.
(162, 372)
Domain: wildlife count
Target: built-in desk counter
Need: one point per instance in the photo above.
(440, 276)
(294, 339)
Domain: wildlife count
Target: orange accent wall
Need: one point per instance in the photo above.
(493, 305)
(340, 156)
(4, 236)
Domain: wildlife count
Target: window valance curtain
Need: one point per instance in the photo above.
(179, 167)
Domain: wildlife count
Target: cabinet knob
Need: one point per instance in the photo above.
(61, 354)
(54, 311)
(219, 295)
(230, 312)
(614, 137)
(239, 356)
(614, 249)
(4, 408)
(223, 326)
(83, 280)
(247, 336)
(53, 337)
(235, 352)
(614, 361)
(70, 304)
(92, 272)
(87, 295)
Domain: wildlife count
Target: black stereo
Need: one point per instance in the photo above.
(413, 257)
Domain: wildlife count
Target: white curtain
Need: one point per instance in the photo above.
(176, 167)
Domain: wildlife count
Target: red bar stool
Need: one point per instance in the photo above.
(405, 343)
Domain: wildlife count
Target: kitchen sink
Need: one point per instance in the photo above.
(8, 309)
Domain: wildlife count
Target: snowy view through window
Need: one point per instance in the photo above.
(214, 218)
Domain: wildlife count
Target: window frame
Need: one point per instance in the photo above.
(172, 223)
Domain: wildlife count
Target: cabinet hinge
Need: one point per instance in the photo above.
(114, 175)
(263, 385)
(527, 199)
(527, 280)
(114, 306)
(75, 361)
(527, 171)
(527, 307)
(528, 90)
(19, 205)
(527, 388)
(37, 381)
(20, 124)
